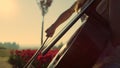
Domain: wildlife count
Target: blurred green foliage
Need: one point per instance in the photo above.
(9, 45)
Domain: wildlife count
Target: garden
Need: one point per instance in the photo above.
(19, 58)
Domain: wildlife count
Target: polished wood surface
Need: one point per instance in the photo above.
(88, 45)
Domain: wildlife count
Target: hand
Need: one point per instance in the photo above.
(50, 31)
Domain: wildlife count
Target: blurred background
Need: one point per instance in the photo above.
(20, 25)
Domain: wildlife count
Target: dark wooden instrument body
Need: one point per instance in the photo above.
(89, 44)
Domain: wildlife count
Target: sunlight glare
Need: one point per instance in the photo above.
(8, 8)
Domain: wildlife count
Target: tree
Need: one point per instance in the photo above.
(9, 45)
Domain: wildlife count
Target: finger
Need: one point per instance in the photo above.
(48, 35)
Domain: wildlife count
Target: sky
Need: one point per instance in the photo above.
(20, 21)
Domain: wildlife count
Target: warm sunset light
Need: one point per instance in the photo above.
(8, 7)
(20, 21)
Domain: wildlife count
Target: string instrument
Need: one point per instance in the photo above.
(85, 46)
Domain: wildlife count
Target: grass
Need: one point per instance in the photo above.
(4, 56)
(4, 52)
